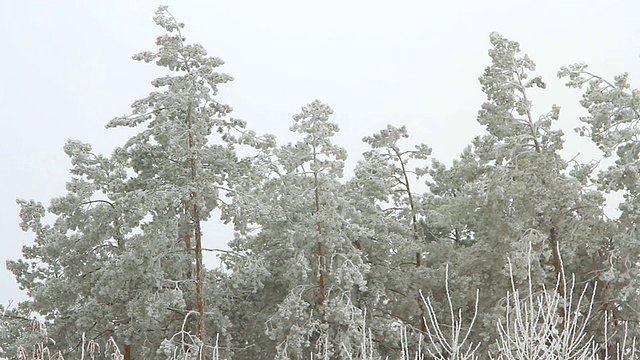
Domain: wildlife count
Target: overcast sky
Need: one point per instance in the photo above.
(66, 70)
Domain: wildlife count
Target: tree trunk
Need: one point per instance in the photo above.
(198, 237)
(557, 261)
(416, 239)
(559, 270)
(320, 251)
(199, 276)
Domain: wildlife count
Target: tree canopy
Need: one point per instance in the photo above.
(327, 266)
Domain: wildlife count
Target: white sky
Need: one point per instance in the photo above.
(66, 70)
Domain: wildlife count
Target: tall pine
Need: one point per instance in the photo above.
(293, 219)
(124, 255)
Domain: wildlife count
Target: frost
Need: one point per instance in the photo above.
(369, 266)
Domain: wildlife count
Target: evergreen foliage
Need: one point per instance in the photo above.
(511, 239)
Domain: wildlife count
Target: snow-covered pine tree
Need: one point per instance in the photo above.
(509, 188)
(389, 205)
(124, 255)
(294, 220)
(612, 124)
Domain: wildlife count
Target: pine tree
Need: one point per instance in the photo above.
(124, 255)
(510, 188)
(383, 190)
(612, 124)
(303, 243)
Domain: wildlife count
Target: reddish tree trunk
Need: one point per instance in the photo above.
(199, 275)
(198, 239)
(557, 261)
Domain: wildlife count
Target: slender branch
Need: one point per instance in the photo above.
(223, 251)
(116, 222)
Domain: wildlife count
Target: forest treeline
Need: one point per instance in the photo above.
(317, 257)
